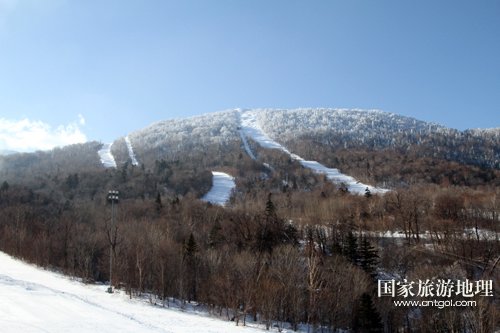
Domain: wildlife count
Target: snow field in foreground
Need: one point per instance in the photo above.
(36, 300)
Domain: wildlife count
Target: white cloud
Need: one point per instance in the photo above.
(29, 135)
(81, 120)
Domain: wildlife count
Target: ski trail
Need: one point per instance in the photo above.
(131, 151)
(36, 300)
(251, 128)
(222, 186)
(106, 156)
(243, 137)
(246, 146)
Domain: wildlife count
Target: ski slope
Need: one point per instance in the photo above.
(250, 127)
(131, 151)
(35, 300)
(222, 186)
(107, 158)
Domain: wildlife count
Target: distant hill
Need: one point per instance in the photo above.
(7, 152)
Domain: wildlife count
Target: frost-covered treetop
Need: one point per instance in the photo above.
(176, 134)
(280, 124)
(295, 122)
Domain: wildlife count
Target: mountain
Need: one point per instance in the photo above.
(371, 145)
(335, 127)
(7, 152)
(281, 216)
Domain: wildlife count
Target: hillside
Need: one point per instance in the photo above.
(36, 300)
(374, 147)
(285, 217)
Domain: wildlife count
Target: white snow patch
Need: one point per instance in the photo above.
(131, 151)
(35, 300)
(250, 127)
(107, 158)
(222, 186)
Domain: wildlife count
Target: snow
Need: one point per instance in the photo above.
(222, 187)
(36, 300)
(131, 151)
(107, 158)
(359, 125)
(246, 145)
(193, 133)
(250, 127)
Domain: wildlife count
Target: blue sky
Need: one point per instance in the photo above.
(97, 69)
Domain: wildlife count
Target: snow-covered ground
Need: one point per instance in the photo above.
(36, 300)
(107, 158)
(250, 127)
(222, 186)
(483, 234)
(131, 151)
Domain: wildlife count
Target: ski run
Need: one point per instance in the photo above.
(107, 158)
(251, 128)
(131, 151)
(37, 300)
(222, 187)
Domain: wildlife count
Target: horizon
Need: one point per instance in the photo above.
(76, 72)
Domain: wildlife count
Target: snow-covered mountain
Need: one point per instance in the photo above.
(313, 137)
(286, 124)
(279, 124)
(346, 127)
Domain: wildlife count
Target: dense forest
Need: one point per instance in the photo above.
(290, 248)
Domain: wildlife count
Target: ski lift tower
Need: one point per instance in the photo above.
(112, 235)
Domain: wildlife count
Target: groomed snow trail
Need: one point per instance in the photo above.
(222, 186)
(36, 300)
(107, 158)
(251, 128)
(131, 151)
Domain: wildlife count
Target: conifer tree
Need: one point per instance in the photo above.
(368, 257)
(5, 186)
(158, 203)
(351, 248)
(190, 267)
(367, 319)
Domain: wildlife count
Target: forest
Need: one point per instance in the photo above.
(290, 248)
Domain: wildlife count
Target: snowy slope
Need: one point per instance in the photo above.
(179, 135)
(291, 123)
(34, 300)
(250, 127)
(222, 186)
(106, 156)
(131, 151)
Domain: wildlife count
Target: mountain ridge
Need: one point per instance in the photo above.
(326, 135)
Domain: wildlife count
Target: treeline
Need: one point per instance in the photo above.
(404, 164)
(475, 148)
(309, 255)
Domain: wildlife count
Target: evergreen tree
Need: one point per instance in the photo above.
(367, 319)
(215, 237)
(5, 186)
(270, 209)
(190, 268)
(158, 203)
(368, 257)
(273, 230)
(351, 248)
